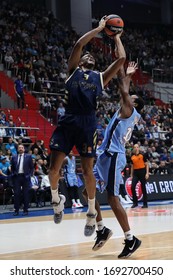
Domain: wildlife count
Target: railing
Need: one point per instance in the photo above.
(162, 75)
(163, 92)
(35, 129)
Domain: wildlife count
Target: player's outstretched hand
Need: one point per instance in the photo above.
(132, 67)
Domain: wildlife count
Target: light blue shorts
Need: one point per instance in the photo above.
(71, 180)
(107, 171)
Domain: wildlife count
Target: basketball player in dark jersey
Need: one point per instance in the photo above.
(78, 126)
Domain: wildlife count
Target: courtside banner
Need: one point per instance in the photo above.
(159, 187)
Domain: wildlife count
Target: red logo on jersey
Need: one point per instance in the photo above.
(128, 185)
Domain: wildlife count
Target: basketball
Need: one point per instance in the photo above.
(114, 25)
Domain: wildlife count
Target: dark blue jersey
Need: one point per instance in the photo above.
(82, 89)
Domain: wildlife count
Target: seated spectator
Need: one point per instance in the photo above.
(1, 153)
(107, 118)
(11, 130)
(35, 154)
(45, 187)
(38, 85)
(3, 132)
(5, 170)
(46, 156)
(148, 134)
(10, 119)
(169, 137)
(45, 166)
(99, 142)
(22, 132)
(8, 155)
(46, 107)
(155, 133)
(60, 110)
(34, 162)
(164, 156)
(31, 80)
(35, 192)
(153, 168)
(39, 144)
(155, 155)
(2, 117)
(11, 145)
(140, 125)
(2, 146)
(45, 183)
(159, 147)
(145, 146)
(8, 60)
(164, 168)
(39, 168)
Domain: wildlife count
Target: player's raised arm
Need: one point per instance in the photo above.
(78, 47)
(124, 85)
(112, 70)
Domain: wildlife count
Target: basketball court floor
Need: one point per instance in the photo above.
(36, 237)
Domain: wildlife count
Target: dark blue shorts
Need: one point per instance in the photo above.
(79, 131)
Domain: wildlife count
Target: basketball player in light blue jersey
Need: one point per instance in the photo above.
(112, 158)
(72, 180)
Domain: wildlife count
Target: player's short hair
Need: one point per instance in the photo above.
(139, 104)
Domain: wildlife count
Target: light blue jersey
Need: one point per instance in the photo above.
(70, 167)
(70, 176)
(111, 154)
(118, 133)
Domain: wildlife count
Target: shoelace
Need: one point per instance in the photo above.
(56, 203)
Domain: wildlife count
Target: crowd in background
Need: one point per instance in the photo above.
(36, 45)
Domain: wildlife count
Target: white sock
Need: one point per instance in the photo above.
(91, 206)
(100, 225)
(55, 196)
(128, 235)
(73, 201)
(78, 201)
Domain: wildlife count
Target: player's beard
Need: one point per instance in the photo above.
(89, 65)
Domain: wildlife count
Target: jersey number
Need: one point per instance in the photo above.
(128, 134)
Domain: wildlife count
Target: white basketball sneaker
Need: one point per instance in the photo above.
(58, 209)
(90, 224)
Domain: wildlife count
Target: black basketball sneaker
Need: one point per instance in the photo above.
(130, 247)
(101, 238)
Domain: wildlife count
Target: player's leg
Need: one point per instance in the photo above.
(90, 185)
(103, 233)
(60, 144)
(114, 180)
(58, 200)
